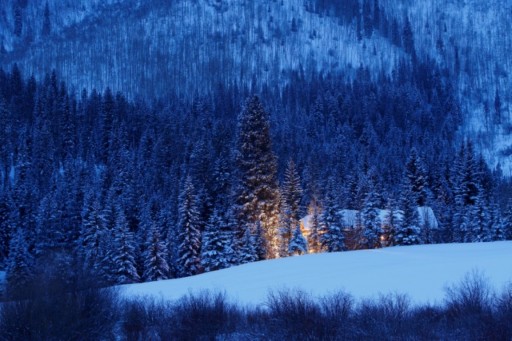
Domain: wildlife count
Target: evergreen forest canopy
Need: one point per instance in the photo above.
(137, 191)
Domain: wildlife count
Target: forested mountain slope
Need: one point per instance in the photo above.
(157, 48)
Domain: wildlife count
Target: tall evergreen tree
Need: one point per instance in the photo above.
(20, 264)
(333, 238)
(408, 228)
(155, 256)
(315, 226)
(91, 231)
(291, 196)
(417, 179)
(189, 234)
(390, 224)
(123, 258)
(257, 191)
(247, 251)
(5, 227)
(507, 221)
(370, 217)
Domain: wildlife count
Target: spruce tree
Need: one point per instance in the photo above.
(189, 234)
(20, 263)
(291, 196)
(333, 238)
(124, 264)
(417, 179)
(298, 244)
(408, 228)
(479, 229)
(507, 221)
(390, 223)
(5, 227)
(247, 251)
(496, 226)
(89, 243)
(372, 229)
(257, 191)
(155, 256)
(315, 226)
(216, 252)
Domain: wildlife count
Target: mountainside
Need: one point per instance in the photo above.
(194, 46)
(182, 47)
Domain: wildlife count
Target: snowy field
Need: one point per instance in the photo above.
(422, 272)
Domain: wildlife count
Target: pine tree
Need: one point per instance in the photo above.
(290, 206)
(155, 257)
(333, 239)
(507, 221)
(260, 242)
(390, 223)
(298, 244)
(5, 227)
(257, 190)
(478, 230)
(247, 251)
(20, 262)
(314, 238)
(123, 250)
(370, 218)
(189, 234)
(416, 176)
(496, 226)
(216, 252)
(89, 244)
(408, 229)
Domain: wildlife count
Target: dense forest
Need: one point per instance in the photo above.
(132, 190)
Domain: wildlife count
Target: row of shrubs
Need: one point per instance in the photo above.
(471, 311)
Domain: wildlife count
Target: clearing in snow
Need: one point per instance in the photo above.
(422, 272)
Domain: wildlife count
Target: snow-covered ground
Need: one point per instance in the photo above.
(422, 272)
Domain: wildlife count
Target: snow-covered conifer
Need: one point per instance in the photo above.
(372, 229)
(155, 257)
(298, 244)
(314, 238)
(189, 234)
(216, 252)
(333, 238)
(247, 252)
(123, 258)
(20, 262)
(408, 228)
(257, 190)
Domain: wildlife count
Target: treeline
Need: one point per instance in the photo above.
(136, 191)
(471, 310)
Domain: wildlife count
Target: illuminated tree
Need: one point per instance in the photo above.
(298, 244)
(257, 191)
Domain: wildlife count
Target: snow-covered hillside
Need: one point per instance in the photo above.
(147, 48)
(193, 46)
(422, 272)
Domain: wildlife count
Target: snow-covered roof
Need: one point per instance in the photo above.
(425, 213)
